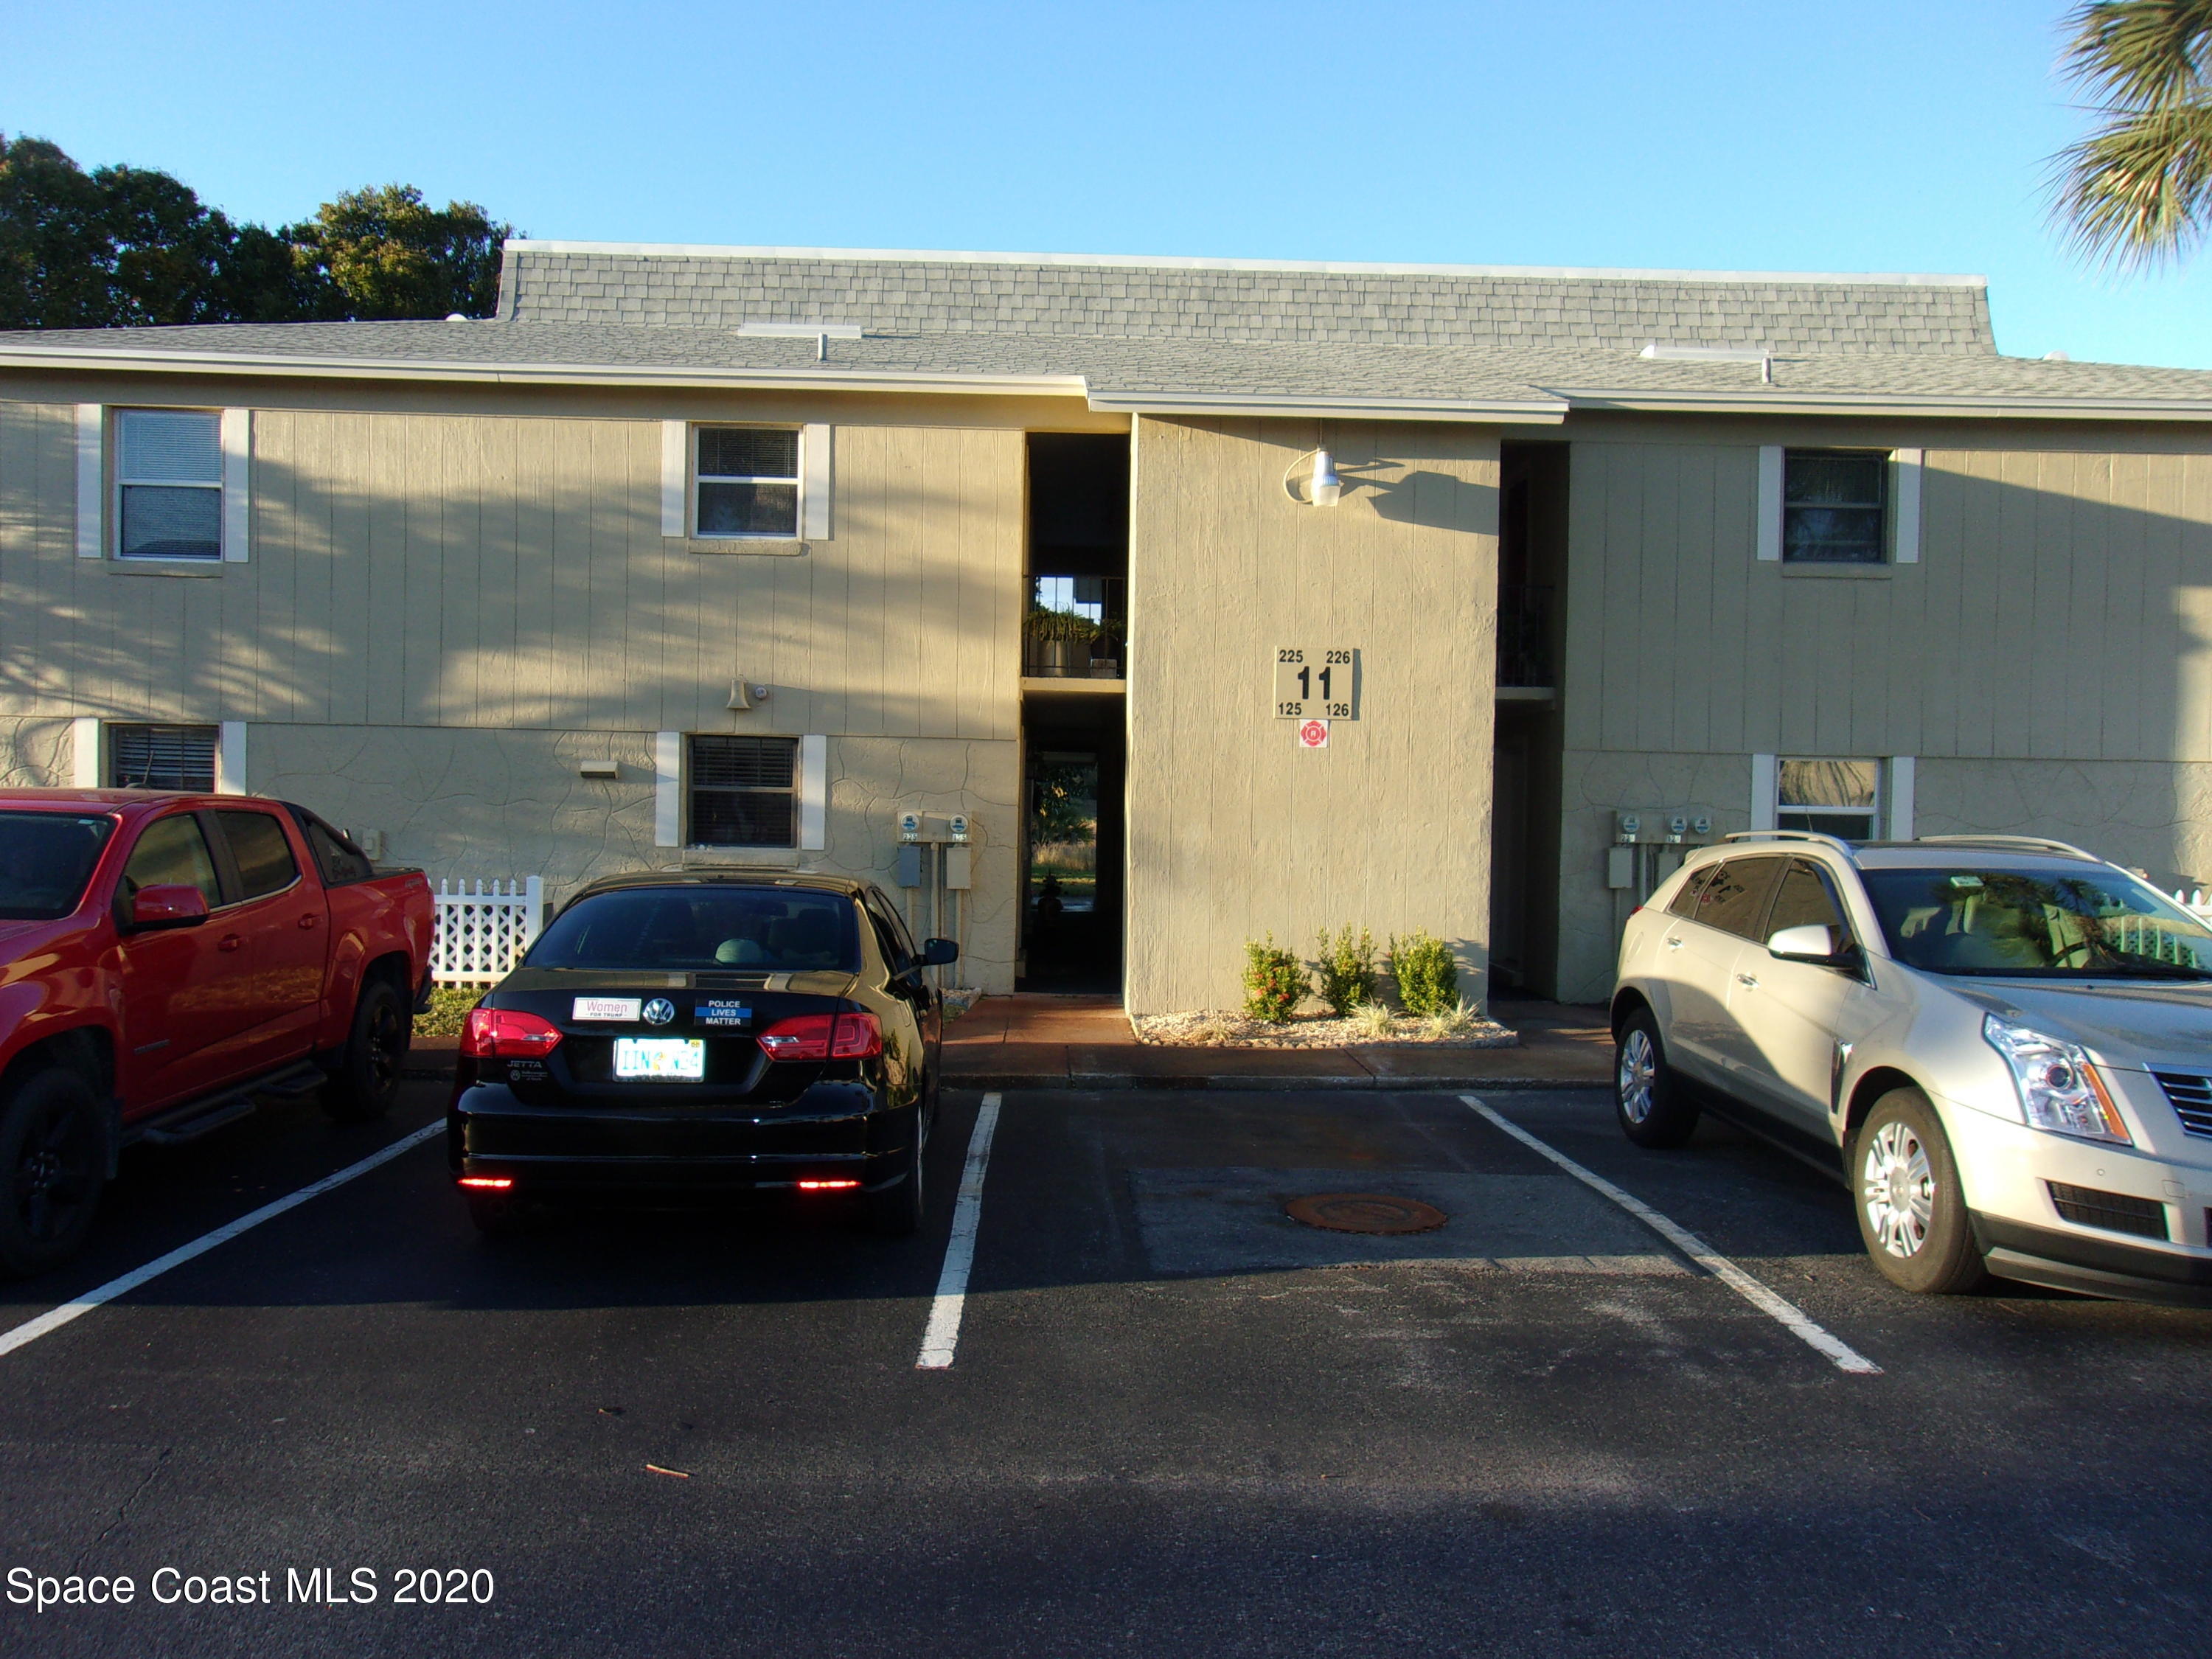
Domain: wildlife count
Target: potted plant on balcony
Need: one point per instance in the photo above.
(1060, 641)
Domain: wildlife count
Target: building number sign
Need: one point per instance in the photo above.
(1323, 683)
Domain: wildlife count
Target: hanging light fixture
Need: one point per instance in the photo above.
(1323, 487)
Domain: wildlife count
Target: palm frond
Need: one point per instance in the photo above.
(2138, 190)
(2139, 55)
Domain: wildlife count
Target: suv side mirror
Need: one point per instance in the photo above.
(163, 905)
(939, 953)
(1814, 943)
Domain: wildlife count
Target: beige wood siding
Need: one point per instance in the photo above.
(478, 571)
(1233, 831)
(2061, 610)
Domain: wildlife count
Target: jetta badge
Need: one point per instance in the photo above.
(660, 1011)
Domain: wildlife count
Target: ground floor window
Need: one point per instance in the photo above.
(744, 792)
(1840, 797)
(161, 757)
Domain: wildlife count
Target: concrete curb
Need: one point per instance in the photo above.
(1102, 1082)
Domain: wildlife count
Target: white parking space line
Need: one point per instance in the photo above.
(32, 1330)
(943, 1336)
(1779, 1308)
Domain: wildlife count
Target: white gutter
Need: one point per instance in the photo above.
(387, 368)
(1957, 405)
(1544, 411)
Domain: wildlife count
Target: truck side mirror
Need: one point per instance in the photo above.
(164, 904)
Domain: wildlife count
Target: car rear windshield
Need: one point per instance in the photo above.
(46, 859)
(2098, 925)
(767, 929)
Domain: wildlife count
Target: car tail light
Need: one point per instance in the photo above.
(507, 1034)
(822, 1036)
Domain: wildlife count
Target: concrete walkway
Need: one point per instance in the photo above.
(1085, 1042)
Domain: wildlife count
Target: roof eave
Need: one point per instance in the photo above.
(1489, 411)
(260, 365)
(1974, 405)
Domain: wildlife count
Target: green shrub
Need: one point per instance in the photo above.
(1274, 981)
(449, 1007)
(1343, 969)
(1427, 977)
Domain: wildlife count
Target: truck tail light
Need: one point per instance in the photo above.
(507, 1034)
(822, 1036)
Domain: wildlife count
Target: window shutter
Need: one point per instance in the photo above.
(84, 759)
(814, 483)
(1905, 479)
(675, 483)
(237, 483)
(230, 755)
(1900, 797)
(1769, 503)
(91, 481)
(668, 784)
(1763, 783)
(813, 792)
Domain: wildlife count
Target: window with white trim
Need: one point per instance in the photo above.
(169, 484)
(744, 791)
(745, 482)
(1839, 798)
(161, 757)
(1835, 506)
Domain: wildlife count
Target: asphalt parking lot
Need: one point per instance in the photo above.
(1173, 1420)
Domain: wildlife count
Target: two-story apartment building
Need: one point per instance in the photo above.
(1440, 598)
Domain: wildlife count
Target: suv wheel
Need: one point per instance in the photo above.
(1651, 1104)
(53, 1155)
(366, 1080)
(1911, 1213)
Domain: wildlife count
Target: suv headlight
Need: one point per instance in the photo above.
(2059, 1089)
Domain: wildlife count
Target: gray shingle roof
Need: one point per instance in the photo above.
(1163, 373)
(1246, 302)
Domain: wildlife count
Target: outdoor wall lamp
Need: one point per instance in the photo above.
(1323, 487)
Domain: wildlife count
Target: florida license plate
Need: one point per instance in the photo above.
(660, 1059)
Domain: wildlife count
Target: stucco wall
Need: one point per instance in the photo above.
(35, 754)
(1234, 832)
(469, 803)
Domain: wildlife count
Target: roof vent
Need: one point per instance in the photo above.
(458, 317)
(2057, 357)
(804, 331)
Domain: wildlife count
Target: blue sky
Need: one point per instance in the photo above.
(1867, 136)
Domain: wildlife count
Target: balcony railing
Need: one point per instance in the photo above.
(1524, 634)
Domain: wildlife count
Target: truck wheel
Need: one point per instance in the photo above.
(51, 1151)
(366, 1080)
(1912, 1216)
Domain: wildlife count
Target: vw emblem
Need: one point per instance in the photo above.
(660, 1011)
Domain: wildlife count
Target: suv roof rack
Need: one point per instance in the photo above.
(1842, 847)
(2022, 843)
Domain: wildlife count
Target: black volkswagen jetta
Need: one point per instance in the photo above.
(708, 1033)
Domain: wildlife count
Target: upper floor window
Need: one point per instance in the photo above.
(161, 757)
(1835, 506)
(744, 792)
(745, 481)
(1839, 798)
(169, 484)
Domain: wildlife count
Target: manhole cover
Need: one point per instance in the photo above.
(1366, 1213)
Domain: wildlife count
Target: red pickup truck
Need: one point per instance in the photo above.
(166, 959)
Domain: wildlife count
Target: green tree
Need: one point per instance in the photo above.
(121, 246)
(2138, 189)
(386, 253)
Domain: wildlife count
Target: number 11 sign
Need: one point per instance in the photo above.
(1310, 683)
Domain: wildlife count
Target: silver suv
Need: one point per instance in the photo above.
(2003, 1047)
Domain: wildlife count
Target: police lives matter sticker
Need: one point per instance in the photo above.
(722, 1013)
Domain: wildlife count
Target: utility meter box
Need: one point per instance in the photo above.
(910, 830)
(907, 870)
(959, 868)
(956, 827)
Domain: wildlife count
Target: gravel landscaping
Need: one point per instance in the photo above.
(1212, 1030)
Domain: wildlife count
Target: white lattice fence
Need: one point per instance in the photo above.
(481, 933)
